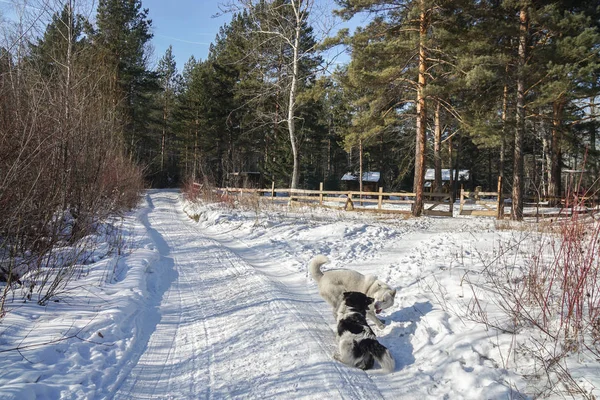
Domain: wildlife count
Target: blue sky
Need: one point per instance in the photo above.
(187, 25)
(190, 26)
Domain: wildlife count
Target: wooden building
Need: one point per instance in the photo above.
(243, 180)
(371, 181)
(464, 176)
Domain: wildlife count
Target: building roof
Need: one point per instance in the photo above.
(243, 173)
(367, 176)
(463, 174)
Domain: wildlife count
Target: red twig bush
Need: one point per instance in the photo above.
(62, 166)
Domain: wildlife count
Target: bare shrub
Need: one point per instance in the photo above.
(546, 284)
(192, 191)
(62, 167)
(557, 288)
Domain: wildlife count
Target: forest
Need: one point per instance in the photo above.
(501, 88)
(504, 92)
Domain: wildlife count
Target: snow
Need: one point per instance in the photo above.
(463, 174)
(367, 176)
(221, 305)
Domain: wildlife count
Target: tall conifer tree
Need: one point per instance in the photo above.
(122, 35)
(167, 76)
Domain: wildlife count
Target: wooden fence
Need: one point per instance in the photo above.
(492, 204)
(438, 204)
(481, 204)
(476, 203)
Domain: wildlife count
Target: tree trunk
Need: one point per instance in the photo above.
(66, 124)
(554, 171)
(437, 150)
(546, 161)
(450, 166)
(500, 189)
(419, 179)
(382, 154)
(516, 213)
(360, 166)
(456, 169)
(329, 147)
(504, 128)
(163, 141)
(196, 147)
(292, 98)
(593, 125)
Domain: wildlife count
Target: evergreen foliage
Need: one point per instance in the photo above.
(502, 88)
(122, 36)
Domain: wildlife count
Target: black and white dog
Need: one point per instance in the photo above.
(333, 283)
(357, 344)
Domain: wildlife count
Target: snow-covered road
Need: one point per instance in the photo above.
(220, 306)
(226, 325)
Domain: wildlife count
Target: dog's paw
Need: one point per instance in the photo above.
(380, 323)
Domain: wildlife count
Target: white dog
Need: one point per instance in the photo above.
(357, 344)
(333, 283)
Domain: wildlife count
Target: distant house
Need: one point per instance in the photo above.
(371, 181)
(243, 180)
(464, 175)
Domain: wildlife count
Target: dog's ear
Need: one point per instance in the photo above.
(393, 293)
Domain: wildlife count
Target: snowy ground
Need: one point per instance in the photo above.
(223, 307)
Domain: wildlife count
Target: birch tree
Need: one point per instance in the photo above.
(283, 48)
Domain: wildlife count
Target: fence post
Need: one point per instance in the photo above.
(349, 205)
(500, 214)
(273, 191)
(321, 193)
(462, 196)
(380, 202)
(451, 205)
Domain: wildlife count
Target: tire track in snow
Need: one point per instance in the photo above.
(226, 329)
(147, 318)
(169, 363)
(242, 268)
(357, 384)
(200, 341)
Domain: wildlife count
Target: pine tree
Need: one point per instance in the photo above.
(567, 52)
(61, 40)
(186, 126)
(334, 120)
(167, 76)
(392, 57)
(122, 35)
(208, 128)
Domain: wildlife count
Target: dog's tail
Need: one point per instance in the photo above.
(315, 266)
(380, 353)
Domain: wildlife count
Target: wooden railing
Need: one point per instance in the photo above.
(483, 204)
(438, 204)
(476, 203)
(492, 204)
